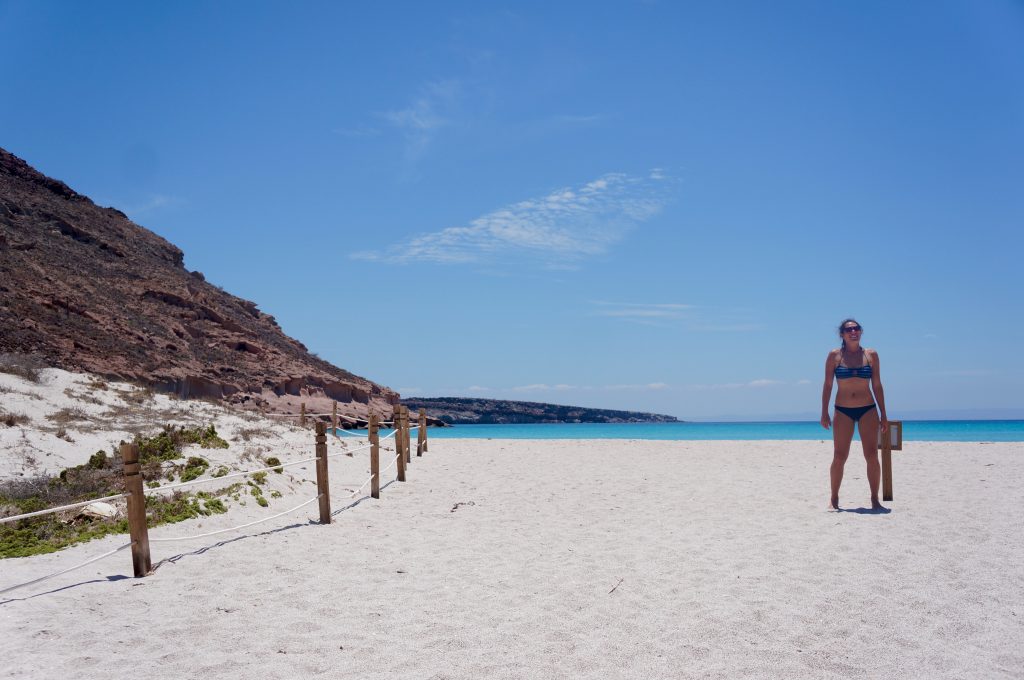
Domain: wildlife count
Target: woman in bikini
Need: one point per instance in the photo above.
(857, 371)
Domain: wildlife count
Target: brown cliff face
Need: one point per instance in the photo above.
(85, 288)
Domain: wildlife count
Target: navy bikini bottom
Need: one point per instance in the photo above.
(855, 413)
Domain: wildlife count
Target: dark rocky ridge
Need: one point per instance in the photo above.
(467, 411)
(85, 288)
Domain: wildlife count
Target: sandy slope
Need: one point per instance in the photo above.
(597, 559)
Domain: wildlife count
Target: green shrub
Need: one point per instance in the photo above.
(25, 538)
(49, 533)
(209, 439)
(260, 478)
(274, 460)
(99, 461)
(220, 471)
(194, 468)
(263, 502)
(162, 446)
(167, 444)
(216, 506)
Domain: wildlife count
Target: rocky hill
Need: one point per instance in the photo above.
(84, 288)
(465, 411)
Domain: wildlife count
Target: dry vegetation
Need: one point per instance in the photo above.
(66, 416)
(14, 419)
(247, 433)
(21, 365)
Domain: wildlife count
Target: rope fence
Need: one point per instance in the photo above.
(72, 506)
(334, 415)
(136, 494)
(64, 571)
(170, 539)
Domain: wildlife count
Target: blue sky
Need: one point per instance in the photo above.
(644, 205)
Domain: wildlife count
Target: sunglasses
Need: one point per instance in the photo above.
(850, 329)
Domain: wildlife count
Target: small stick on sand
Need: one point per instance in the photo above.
(616, 586)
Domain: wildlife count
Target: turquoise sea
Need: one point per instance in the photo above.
(913, 430)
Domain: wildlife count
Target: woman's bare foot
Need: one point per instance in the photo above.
(876, 504)
(833, 504)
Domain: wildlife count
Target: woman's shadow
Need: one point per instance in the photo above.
(866, 511)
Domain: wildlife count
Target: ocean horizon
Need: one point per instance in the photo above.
(913, 430)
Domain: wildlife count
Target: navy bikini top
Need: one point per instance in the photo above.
(844, 372)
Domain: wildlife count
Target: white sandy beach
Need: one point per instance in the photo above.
(564, 559)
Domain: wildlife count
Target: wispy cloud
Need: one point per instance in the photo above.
(428, 112)
(694, 318)
(759, 383)
(726, 327)
(641, 310)
(151, 204)
(558, 229)
(656, 386)
(541, 387)
(564, 387)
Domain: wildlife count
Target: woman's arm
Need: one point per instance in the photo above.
(826, 390)
(876, 387)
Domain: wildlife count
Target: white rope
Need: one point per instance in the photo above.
(170, 539)
(336, 431)
(242, 526)
(393, 463)
(370, 478)
(349, 451)
(340, 415)
(250, 472)
(364, 436)
(4, 520)
(64, 571)
(315, 415)
(222, 477)
(363, 486)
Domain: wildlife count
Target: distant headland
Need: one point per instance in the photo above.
(469, 411)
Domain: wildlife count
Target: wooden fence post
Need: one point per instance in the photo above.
(334, 418)
(406, 433)
(886, 468)
(302, 415)
(396, 421)
(374, 457)
(138, 529)
(323, 486)
(421, 434)
(895, 430)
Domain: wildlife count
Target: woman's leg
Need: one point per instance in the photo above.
(842, 435)
(869, 441)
